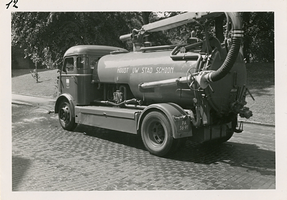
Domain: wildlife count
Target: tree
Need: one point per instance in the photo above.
(145, 16)
(258, 36)
(47, 35)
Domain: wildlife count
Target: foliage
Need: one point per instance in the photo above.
(259, 36)
(47, 35)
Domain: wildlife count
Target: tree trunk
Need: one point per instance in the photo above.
(145, 16)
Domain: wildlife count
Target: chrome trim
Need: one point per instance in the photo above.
(65, 75)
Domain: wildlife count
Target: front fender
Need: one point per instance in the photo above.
(180, 123)
(63, 97)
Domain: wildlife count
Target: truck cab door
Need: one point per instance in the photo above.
(68, 82)
(76, 80)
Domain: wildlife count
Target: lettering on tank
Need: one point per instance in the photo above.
(148, 70)
(123, 70)
(135, 70)
(164, 70)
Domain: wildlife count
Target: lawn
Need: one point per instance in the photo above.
(260, 81)
(261, 85)
(24, 83)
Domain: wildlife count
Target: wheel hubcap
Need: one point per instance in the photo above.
(65, 114)
(157, 133)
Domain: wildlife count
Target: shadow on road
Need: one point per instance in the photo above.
(248, 156)
(19, 168)
(112, 136)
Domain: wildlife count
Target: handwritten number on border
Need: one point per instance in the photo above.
(14, 1)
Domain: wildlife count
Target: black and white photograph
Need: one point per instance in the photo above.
(150, 101)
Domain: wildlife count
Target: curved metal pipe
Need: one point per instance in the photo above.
(234, 49)
(130, 101)
(205, 77)
(228, 62)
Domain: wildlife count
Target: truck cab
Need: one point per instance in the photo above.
(76, 74)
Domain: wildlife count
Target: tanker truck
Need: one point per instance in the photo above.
(167, 94)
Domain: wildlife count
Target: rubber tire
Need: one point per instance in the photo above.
(157, 121)
(225, 139)
(69, 122)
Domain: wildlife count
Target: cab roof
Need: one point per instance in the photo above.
(92, 50)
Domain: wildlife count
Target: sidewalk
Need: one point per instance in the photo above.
(33, 101)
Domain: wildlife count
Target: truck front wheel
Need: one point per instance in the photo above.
(156, 133)
(66, 119)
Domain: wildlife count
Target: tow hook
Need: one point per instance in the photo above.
(239, 129)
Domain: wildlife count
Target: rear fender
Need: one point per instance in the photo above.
(178, 118)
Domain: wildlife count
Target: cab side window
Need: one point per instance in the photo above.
(80, 63)
(68, 65)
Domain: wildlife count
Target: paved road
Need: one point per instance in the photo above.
(47, 158)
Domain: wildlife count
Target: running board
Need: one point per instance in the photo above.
(113, 118)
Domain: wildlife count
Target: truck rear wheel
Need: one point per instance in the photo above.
(156, 133)
(226, 138)
(66, 119)
(230, 131)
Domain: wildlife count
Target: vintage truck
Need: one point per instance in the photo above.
(165, 93)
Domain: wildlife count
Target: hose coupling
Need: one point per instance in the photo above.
(203, 78)
(237, 33)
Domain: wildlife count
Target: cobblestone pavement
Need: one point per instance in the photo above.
(47, 158)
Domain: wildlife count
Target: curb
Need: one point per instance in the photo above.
(257, 123)
(31, 101)
(26, 103)
(21, 103)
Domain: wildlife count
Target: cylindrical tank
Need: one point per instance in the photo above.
(135, 68)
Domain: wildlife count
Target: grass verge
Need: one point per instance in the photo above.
(260, 81)
(23, 83)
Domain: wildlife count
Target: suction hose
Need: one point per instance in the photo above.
(205, 77)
